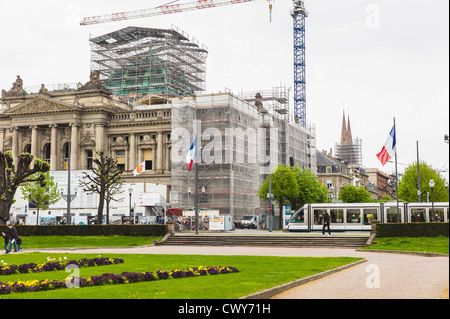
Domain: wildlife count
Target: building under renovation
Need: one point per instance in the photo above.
(135, 62)
(241, 139)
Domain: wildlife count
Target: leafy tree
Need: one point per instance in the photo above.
(284, 186)
(298, 186)
(384, 199)
(407, 188)
(353, 194)
(11, 177)
(104, 177)
(310, 189)
(42, 196)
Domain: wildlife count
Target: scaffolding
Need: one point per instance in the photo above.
(350, 153)
(228, 170)
(135, 62)
(241, 139)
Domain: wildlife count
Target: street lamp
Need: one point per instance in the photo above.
(69, 198)
(269, 219)
(130, 192)
(431, 183)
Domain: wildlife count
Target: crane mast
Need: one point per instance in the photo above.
(161, 10)
(299, 14)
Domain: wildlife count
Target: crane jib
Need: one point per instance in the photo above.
(162, 10)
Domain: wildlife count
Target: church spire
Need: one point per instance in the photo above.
(344, 129)
(349, 132)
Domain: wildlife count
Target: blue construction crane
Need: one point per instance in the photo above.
(299, 14)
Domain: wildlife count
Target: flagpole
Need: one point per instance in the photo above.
(396, 172)
(419, 194)
(196, 199)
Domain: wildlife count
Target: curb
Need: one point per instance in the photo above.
(271, 292)
(416, 253)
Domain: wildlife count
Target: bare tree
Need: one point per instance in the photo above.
(105, 176)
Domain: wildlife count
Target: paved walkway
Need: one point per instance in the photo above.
(391, 276)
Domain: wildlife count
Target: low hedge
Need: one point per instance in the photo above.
(412, 230)
(90, 230)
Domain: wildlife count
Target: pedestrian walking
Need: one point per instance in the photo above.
(19, 243)
(6, 238)
(326, 224)
(13, 237)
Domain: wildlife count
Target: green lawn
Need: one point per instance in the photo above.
(421, 244)
(88, 241)
(257, 273)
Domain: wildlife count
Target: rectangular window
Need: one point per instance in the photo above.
(120, 157)
(336, 215)
(148, 158)
(438, 215)
(318, 216)
(89, 159)
(353, 216)
(393, 216)
(370, 214)
(418, 215)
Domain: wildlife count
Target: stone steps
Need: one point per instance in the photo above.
(268, 241)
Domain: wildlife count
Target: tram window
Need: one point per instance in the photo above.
(392, 215)
(318, 216)
(353, 216)
(438, 215)
(336, 215)
(299, 217)
(369, 214)
(418, 215)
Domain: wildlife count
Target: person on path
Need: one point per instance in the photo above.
(13, 236)
(6, 238)
(326, 223)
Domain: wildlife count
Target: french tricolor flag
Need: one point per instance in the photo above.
(389, 149)
(192, 154)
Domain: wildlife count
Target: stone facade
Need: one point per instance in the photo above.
(92, 120)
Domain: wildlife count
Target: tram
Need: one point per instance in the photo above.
(357, 217)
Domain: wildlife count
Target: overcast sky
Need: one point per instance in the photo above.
(375, 59)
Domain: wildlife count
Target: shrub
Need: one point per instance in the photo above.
(90, 230)
(413, 230)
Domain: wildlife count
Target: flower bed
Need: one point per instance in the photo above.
(111, 279)
(53, 265)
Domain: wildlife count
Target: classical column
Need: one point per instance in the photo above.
(159, 151)
(34, 141)
(74, 147)
(2, 139)
(54, 148)
(15, 144)
(99, 137)
(132, 164)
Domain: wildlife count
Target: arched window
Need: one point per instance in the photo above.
(27, 149)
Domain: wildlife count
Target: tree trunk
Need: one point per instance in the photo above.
(5, 206)
(100, 208)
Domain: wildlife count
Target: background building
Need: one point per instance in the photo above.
(349, 150)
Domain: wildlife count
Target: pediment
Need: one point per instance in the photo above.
(41, 104)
